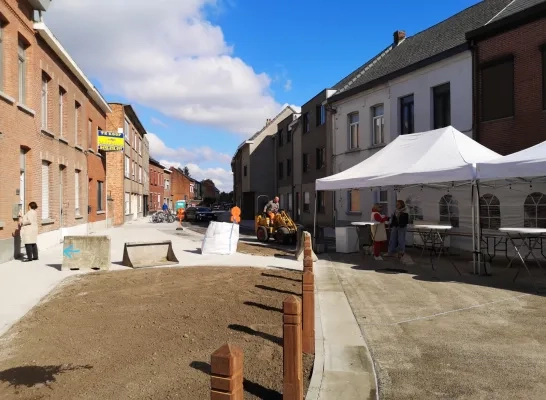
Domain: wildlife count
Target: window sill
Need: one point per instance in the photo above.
(376, 146)
(356, 213)
(91, 151)
(78, 147)
(1, 224)
(48, 133)
(48, 221)
(78, 217)
(101, 212)
(98, 154)
(498, 120)
(62, 139)
(26, 109)
(7, 98)
(355, 150)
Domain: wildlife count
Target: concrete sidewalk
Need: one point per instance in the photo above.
(23, 285)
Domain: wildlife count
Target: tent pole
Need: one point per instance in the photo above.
(473, 228)
(315, 219)
(479, 229)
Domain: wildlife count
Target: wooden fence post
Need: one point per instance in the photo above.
(308, 312)
(226, 370)
(307, 255)
(292, 354)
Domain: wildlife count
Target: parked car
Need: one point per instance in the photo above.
(199, 214)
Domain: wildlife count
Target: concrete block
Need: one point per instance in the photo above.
(299, 246)
(86, 252)
(149, 254)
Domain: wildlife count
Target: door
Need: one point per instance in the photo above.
(134, 206)
(22, 188)
(297, 206)
(61, 200)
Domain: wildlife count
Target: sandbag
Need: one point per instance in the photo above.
(220, 238)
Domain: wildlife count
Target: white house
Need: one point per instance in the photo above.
(416, 84)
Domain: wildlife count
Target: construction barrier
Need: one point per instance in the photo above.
(302, 236)
(148, 254)
(86, 252)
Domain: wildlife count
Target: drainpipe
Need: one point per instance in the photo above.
(475, 101)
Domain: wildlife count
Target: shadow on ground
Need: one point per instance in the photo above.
(272, 289)
(253, 332)
(32, 375)
(249, 386)
(263, 306)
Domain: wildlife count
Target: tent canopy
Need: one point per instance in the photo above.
(441, 155)
(530, 162)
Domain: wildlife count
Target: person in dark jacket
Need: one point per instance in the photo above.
(399, 228)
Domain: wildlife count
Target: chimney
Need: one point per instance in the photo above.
(267, 122)
(398, 37)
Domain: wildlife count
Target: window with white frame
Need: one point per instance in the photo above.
(77, 192)
(62, 93)
(415, 211)
(45, 189)
(490, 213)
(126, 131)
(383, 200)
(127, 167)
(43, 107)
(306, 201)
(127, 203)
(134, 170)
(89, 134)
(140, 174)
(100, 196)
(534, 210)
(449, 210)
(353, 200)
(378, 125)
(354, 121)
(77, 109)
(22, 70)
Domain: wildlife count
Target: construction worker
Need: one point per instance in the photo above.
(272, 208)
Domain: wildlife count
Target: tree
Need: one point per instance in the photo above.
(186, 171)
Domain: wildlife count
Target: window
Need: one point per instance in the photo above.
(22, 71)
(62, 93)
(288, 167)
(415, 211)
(320, 202)
(449, 210)
(45, 189)
(321, 158)
(281, 170)
(140, 146)
(140, 203)
(281, 202)
(77, 109)
(43, 107)
(306, 201)
(534, 210)
(2, 26)
(140, 174)
(127, 167)
(244, 170)
(305, 162)
(490, 214)
(77, 192)
(90, 134)
(289, 201)
(133, 170)
(100, 196)
(126, 131)
(383, 200)
(306, 124)
(497, 90)
(279, 135)
(353, 130)
(406, 115)
(378, 125)
(353, 197)
(288, 135)
(321, 115)
(22, 179)
(441, 104)
(127, 203)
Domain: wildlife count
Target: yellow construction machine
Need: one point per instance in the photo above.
(282, 229)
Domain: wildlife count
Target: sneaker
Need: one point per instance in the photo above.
(379, 258)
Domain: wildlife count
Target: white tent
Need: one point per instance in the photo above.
(525, 163)
(441, 155)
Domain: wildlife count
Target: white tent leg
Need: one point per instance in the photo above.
(478, 228)
(473, 195)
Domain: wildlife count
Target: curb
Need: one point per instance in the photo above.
(313, 391)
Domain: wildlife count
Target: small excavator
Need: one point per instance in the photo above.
(282, 228)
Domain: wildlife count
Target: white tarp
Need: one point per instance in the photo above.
(220, 238)
(441, 155)
(525, 163)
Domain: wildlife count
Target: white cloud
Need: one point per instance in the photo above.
(165, 54)
(158, 122)
(288, 85)
(222, 178)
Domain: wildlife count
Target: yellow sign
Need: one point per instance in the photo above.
(110, 141)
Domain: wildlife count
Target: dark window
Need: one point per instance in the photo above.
(244, 170)
(279, 135)
(406, 115)
(320, 158)
(281, 170)
(490, 214)
(288, 167)
(497, 90)
(100, 205)
(320, 202)
(321, 115)
(442, 105)
(449, 210)
(288, 135)
(534, 211)
(306, 125)
(305, 162)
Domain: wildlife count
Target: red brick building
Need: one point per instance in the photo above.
(157, 185)
(209, 189)
(180, 185)
(510, 78)
(45, 104)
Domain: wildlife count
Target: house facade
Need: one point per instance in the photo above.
(415, 84)
(510, 78)
(180, 185)
(284, 161)
(167, 195)
(46, 102)
(157, 185)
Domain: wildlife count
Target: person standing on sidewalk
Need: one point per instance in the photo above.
(379, 232)
(29, 231)
(399, 228)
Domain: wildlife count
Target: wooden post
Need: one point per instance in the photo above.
(226, 370)
(308, 313)
(307, 255)
(292, 354)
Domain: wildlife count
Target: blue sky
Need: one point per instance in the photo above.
(302, 46)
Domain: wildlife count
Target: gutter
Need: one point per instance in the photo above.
(44, 32)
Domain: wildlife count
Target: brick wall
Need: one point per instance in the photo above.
(180, 186)
(167, 188)
(528, 126)
(115, 168)
(155, 200)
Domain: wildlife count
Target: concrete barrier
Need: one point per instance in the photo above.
(86, 252)
(148, 254)
(300, 244)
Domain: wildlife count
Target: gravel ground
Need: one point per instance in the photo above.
(149, 334)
